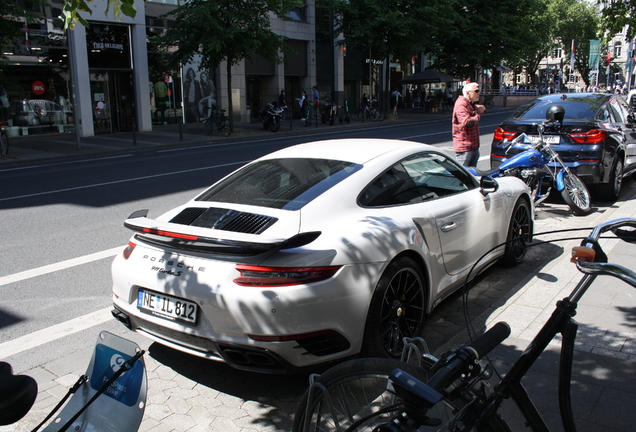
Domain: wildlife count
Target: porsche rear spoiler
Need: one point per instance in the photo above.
(149, 232)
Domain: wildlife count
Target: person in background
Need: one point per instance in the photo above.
(282, 102)
(161, 93)
(465, 123)
(316, 96)
(395, 99)
(303, 105)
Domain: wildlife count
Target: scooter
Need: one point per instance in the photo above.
(111, 396)
(272, 117)
(542, 162)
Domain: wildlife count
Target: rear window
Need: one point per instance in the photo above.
(287, 184)
(576, 107)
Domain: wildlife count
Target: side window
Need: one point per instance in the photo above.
(436, 175)
(422, 177)
(604, 115)
(620, 111)
(394, 186)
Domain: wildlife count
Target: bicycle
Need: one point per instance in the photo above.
(219, 120)
(487, 100)
(452, 393)
(4, 140)
(363, 112)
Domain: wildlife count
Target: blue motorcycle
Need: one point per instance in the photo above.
(541, 162)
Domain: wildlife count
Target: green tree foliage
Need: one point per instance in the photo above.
(487, 33)
(397, 28)
(225, 30)
(618, 14)
(580, 23)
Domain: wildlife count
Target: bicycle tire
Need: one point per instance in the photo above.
(209, 126)
(380, 116)
(225, 127)
(490, 103)
(4, 143)
(360, 399)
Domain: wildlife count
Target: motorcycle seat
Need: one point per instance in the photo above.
(483, 173)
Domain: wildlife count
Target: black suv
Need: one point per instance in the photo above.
(597, 139)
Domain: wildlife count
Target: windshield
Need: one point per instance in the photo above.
(576, 107)
(287, 184)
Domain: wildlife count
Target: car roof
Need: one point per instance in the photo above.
(578, 106)
(358, 150)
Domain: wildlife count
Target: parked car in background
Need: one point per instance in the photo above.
(597, 139)
(315, 253)
(36, 112)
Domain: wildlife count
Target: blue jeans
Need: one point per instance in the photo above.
(467, 158)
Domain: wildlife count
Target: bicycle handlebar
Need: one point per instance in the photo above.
(489, 340)
(458, 362)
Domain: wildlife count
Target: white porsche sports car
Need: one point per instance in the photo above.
(316, 252)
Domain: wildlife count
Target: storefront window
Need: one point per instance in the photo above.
(37, 85)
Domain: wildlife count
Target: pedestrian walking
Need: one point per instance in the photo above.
(395, 99)
(303, 105)
(316, 96)
(466, 116)
(282, 102)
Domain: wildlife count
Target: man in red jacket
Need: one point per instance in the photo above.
(466, 115)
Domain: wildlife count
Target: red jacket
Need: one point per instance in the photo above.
(465, 126)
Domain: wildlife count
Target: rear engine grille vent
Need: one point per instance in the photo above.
(224, 219)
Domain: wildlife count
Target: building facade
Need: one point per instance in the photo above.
(103, 78)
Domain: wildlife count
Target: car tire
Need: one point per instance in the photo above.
(397, 310)
(519, 234)
(610, 191)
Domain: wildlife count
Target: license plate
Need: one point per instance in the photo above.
(168, 307)
(550, 139)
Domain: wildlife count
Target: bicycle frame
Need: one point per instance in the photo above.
(559, 322)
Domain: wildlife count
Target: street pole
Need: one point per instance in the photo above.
(71, 65)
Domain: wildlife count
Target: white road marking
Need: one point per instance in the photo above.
(120, 181)
(67, 328)
(52, 333)
(40, 271)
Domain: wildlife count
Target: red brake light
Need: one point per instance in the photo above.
(129, 250)
(501, 134)
(593, 136)
(282, 276)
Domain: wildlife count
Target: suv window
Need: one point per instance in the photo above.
(620, 111)
(421, 177)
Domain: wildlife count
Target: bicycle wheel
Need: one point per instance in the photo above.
(209, 126)
(380, 115)
(490, 103)
(360, 400)
(4, 144)
(225, 127)
(576, 195)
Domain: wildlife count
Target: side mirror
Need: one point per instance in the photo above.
(488, 185)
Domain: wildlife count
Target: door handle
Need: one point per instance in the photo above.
(449, 226)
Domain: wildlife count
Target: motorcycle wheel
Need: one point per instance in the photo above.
(275, 124)
(576, 195)
(332, 119)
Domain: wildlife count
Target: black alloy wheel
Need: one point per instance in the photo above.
(397, 309)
